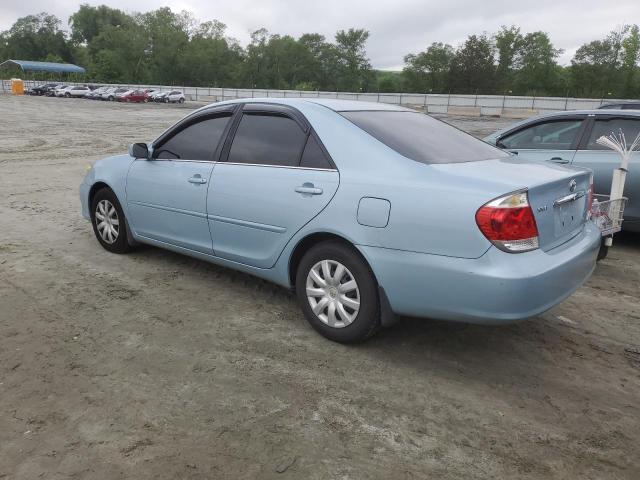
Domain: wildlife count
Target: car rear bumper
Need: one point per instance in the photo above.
(498, 287)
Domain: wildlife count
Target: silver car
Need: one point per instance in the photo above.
(569, 138)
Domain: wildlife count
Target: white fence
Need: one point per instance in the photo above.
(474, 105)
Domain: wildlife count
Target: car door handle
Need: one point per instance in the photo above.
(559, 160)
(309, 189)
(197, 179)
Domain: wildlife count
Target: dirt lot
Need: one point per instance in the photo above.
(154, 365)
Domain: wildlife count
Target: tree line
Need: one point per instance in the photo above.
(165, 47)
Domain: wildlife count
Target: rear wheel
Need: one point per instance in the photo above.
(181, 100)
(338, 293)
(109, 223)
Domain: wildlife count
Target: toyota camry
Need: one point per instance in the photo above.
(367, 211)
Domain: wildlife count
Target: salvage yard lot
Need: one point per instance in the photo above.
(155, 365)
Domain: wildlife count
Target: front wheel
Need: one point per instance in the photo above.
(67, 95)
(166, 100)
(338, 293)
(109, 223)
(181, 100)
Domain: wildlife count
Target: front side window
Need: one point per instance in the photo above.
(629, 126)
(195, 142)
(555, 135)
(267, 140)
(422, 138)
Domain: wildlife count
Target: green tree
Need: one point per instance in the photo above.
(472, 67)
(88, 22)
(428, 71)
(35, 37)
(630, 59)
(508, 42)
(535, 65)
(354, 70)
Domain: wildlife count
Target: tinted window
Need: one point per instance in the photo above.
(196, 142)
(267, 140)
(313, 156)
(422, 138)
(557, 135)
(629, 126)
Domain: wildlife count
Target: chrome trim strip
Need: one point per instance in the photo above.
(278, 166)
(569, 198)
(246, 223)
(236, 163)
(170, 209)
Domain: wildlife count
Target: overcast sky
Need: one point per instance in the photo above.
(397, 27)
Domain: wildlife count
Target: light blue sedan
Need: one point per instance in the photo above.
(368, 211)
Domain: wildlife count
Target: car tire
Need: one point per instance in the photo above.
(101, 210)
(333, 305)
(67, 95)
(111, 99)
(166, 100)
(181, 100)
(146, 100)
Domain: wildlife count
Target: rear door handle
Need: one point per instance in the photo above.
(197, 179)
(559, 160)
(309, 189)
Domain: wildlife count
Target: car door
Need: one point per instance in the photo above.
(274, 176)
(167, 194)
(554, 139)
(604, 161)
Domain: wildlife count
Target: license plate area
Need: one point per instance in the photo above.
(568, 217)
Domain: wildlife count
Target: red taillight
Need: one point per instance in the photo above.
(509, 224)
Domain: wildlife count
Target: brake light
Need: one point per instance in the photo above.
(509, 224)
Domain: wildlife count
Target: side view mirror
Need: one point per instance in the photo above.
(139, 150)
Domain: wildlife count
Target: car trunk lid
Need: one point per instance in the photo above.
(558, 194)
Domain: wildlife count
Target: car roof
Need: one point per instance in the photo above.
(336, 105)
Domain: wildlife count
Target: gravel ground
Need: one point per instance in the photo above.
(154, 365)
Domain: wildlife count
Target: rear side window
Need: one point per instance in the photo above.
(267, 140)
(313, 156)
(423, 138)
(195, 142)
(629, 126)
(554, 135)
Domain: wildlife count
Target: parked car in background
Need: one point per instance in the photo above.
(120, 95)
(61, 91)
(110, 93)
(367, 210)
(76, 91)
(172, 96)
(569, 138)
(621, 106)
(42, 89)
(95, 94)
(136, 96)
(51, 92)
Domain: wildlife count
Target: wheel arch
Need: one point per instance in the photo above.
(307, 242)
(387, 316)
(98, 186)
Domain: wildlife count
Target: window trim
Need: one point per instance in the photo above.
(187, 122)
(574, 145)
(274, 110)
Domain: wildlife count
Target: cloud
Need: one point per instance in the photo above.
(397, 27)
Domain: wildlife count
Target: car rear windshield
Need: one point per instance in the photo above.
(423, 138)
